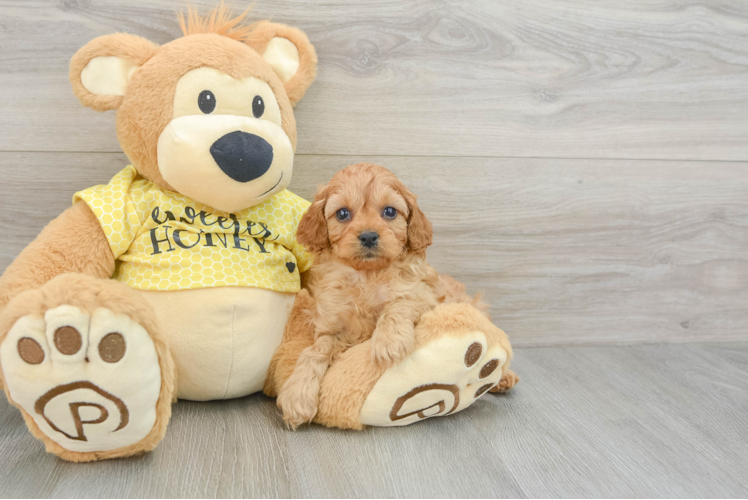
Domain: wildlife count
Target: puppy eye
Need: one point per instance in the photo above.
(258, 106)
(343, 214)
(206, 101)
(389, 212)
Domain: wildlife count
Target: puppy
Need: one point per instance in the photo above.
(369, 280)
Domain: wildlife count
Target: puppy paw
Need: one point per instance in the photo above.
(297, 408)
(508, 381)
(392, 344)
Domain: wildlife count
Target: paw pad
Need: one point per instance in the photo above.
(30, 351)
(489, 368)
(112, 347)
(480, 392)
(440, 378)
(473, 354)
(68, 340)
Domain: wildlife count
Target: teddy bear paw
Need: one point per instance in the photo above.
(440, 378)
(90, 382)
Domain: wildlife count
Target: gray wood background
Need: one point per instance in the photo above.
(584, 163)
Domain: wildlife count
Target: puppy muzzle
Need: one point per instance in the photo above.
(369, 239)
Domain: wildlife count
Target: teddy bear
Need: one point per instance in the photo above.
(180, 279)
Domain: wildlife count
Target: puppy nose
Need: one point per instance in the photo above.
(369, 239)
(243, 157)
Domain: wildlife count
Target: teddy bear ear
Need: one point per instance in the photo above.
(101, 69)
(289, 53)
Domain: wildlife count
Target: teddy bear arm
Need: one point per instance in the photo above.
(73, 242)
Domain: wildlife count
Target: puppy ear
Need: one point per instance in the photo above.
(420, 232)
(101, 69)
(289, 53)
(312, 230)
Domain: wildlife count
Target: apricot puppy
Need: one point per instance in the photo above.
(369, 280)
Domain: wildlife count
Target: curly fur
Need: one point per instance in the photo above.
(362, 293)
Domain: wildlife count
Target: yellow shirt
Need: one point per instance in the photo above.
(162, 240)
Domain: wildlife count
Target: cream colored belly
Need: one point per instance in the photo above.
(222, 339)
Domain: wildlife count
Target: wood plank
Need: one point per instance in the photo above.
(624, 422)
(637, 421)
(590, 79)
(567, 252)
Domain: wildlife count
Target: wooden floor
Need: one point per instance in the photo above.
(629, 421)
(584, 163)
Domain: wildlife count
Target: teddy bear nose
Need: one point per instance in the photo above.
(242, 156)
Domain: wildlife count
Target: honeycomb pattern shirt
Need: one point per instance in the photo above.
(162, 240)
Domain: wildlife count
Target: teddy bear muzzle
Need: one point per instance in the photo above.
(226, 162)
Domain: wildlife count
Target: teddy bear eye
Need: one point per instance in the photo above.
(258, 106)
(206, 101)
(343, 214)
(389, 212)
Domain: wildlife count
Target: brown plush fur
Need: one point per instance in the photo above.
(88, 294)
(296, 87)
(257, 36)
(220, 21)
(147, 107)
(75, 242)
(361, 292)
(133, 48)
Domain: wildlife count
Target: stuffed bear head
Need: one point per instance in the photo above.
(208, 115)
